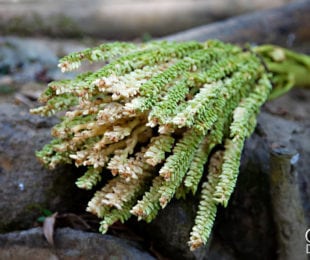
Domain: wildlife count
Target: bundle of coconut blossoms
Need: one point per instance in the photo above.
(166, 119)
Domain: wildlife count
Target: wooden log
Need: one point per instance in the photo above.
(287, 26)
(288, 212)
(119, 19)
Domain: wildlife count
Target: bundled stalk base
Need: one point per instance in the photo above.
(154, 114)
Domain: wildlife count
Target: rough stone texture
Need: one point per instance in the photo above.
(26, 187)
(69, 244)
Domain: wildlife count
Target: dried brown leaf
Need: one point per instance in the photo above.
(49, 227)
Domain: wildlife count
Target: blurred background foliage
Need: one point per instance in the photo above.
(118, 19)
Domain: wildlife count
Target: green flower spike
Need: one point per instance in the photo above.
(155, 114)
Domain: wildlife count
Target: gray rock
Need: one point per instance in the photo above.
(27, 187)
(69, 244)
(25, 59)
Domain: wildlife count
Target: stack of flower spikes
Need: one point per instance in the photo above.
(152, 116)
